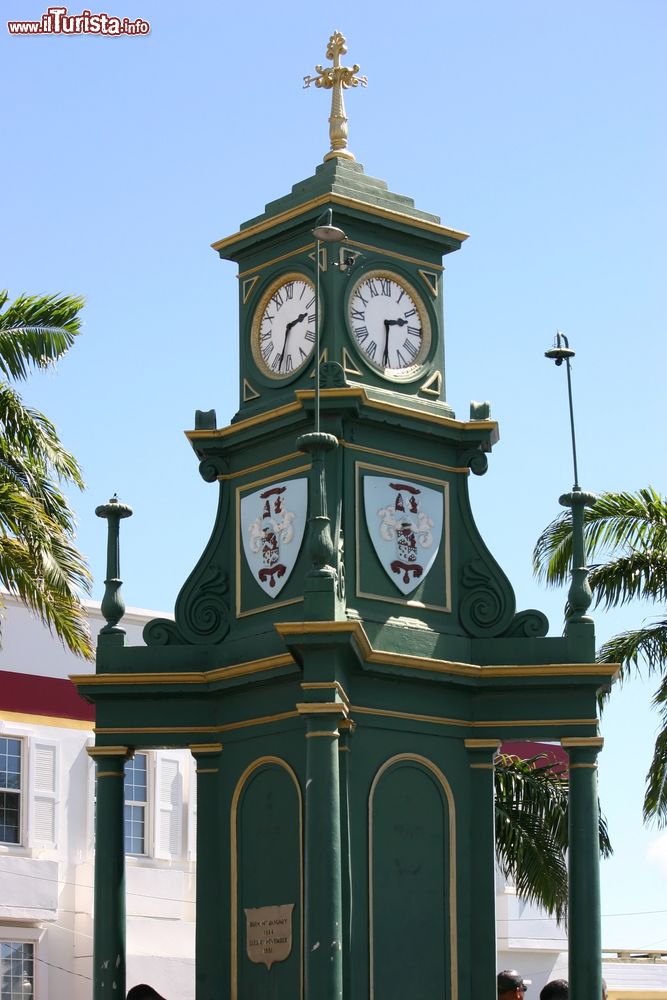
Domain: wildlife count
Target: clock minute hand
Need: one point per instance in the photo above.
(395, 322)
(288, 329)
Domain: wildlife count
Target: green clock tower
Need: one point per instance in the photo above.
(346, 656)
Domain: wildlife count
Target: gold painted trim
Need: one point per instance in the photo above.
(441, 486)
(279, 762)
(591, 742)
(324, 357)
(349, 366)
(481, 744)
(323, 732)
(430, 279)
(350, 392)
(427, 386)
(482, 767)
(224, 727)
(225, 476)
(248, 285)
(324, 685)
(207, 770)
(591, 767)
(276, 260)
(343, 749)
(466, 723)
(402, 458)
(394, 254)
(453, 932)
(205, 747)
(247, 488)
(195, 677)
(249, 392)
(322, 708)
(330, 198)
(372, 655)
(110, 774)
(56, 722)
(242, 425)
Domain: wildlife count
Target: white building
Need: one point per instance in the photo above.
(47, 805)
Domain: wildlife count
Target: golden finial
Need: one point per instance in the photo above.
(337, 78)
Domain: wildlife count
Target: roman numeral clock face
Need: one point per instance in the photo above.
(283, 329)
(389, 324)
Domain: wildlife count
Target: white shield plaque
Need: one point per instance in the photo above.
(404, 520)
(273, 521)
(269, 933)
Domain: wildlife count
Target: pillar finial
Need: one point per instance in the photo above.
(337, 78)
(113, 606)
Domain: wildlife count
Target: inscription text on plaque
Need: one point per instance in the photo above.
(269, 933)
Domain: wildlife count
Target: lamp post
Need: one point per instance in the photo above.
(579, 595)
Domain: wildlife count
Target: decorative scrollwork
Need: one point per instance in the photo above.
(528, 624)
(476, 461)
(203, 615)
(162, 632)
(486, 607)
(212, 466)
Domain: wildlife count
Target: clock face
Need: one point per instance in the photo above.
(283, 329)
(389, 324)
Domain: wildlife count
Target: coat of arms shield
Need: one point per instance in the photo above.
(273, 520)
(404, 520)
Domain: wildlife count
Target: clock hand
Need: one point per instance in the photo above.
(395, 322)
(288, 330)
(385, 353)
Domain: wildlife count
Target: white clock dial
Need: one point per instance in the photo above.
(283, 334)
(389, 323)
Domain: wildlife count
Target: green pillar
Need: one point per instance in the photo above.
(482, 844)
(109, 915)
(584, 936)
(211, 967)
(323, 902)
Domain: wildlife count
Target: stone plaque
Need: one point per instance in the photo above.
(269, 933)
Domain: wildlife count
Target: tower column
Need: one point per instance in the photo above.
(482, 876)
(323, 890)
(211, 967)
(109, 907)
(584, 935)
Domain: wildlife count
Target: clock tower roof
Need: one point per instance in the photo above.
(343, 183)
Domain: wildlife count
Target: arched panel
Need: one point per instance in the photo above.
(267, 883)
(412, 887)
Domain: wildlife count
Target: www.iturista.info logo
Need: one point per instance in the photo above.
(56, 21)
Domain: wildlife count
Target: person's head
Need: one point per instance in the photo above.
(511, 986)
(143, 992)
(557, 989)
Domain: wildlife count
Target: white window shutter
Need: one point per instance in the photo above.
(43, 831)
(192, 811)
(168, 807)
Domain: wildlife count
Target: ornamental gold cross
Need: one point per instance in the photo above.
(337, 78)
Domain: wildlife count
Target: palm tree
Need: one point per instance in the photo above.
(39, 563)
(629, 532)
(531, 810)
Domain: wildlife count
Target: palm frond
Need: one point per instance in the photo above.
(532, 830)
(647, 644)
(655, 797)
(26, 576)
(35, 331)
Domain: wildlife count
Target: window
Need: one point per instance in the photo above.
(10, 794)
(17, 970)
(136, 796)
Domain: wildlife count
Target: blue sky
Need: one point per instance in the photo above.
(537, 128)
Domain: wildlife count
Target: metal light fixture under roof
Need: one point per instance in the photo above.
(325, 231)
